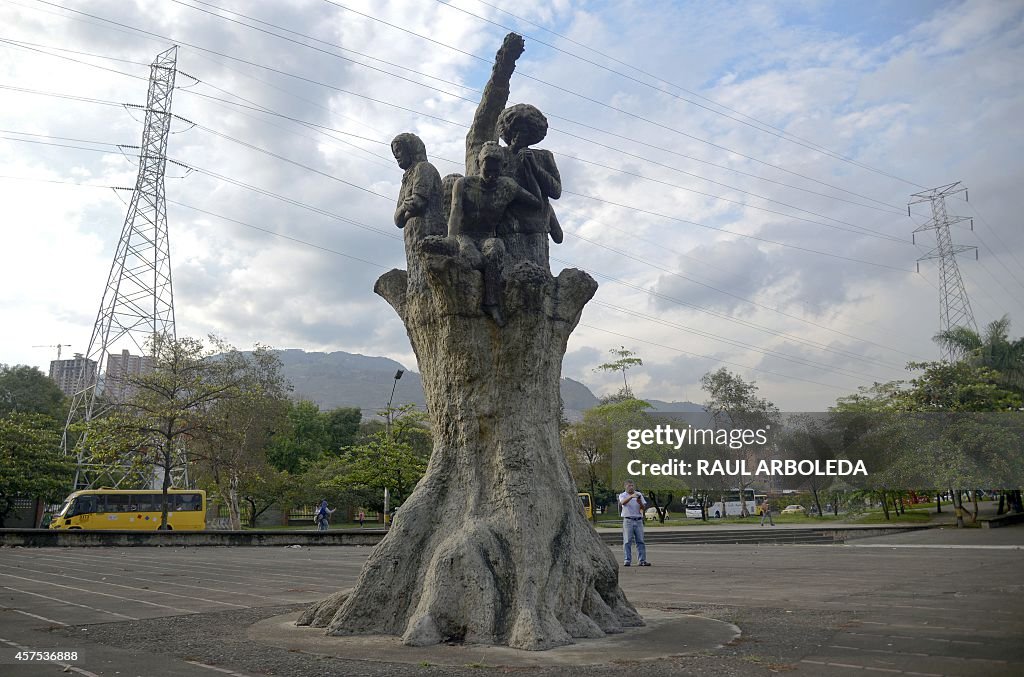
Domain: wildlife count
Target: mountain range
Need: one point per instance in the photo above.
(343, 379)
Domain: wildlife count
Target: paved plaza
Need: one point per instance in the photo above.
(936, 602)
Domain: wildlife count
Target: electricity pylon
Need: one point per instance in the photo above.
(954, 306)
(138, 301)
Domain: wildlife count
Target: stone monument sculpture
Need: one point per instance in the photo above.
(481, 207)
(521, 126)
(419, 212)
(491, 547)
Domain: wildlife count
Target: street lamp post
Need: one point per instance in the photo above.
(387, 494)
(398, 375)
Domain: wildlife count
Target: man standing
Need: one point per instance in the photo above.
(766, 512)
(632, 506)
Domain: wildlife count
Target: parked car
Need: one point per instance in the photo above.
(794, 510)
(652, 514)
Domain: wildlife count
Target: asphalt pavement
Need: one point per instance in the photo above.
(936, 602)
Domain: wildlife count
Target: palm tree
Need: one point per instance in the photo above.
(993, 349)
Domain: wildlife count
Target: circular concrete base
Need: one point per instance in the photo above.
(666, 634)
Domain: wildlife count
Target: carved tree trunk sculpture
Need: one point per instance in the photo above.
(492, 546)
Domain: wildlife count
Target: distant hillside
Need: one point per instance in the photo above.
(659, 405)
(346, 380)
(342, 379)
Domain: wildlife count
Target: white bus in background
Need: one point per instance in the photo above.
(726, 504)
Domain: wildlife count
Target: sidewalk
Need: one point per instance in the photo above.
(947, 517)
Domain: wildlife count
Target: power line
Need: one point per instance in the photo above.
(733, 170)
(324, 42)
(739, 344)
(614, 108)
(731, 232)
(859, 230)
(378, 265)
(1002, 244)
(323, 130)
(309, 37)
(236, 139)
(747, 323)
(428, 115)
(771, 129)
(609, 277)
(648, 262)
(715, 360)
(768, 352)
(866, 231)
(287, 160)
(581, 195)
(258, 65)
(393, 236)
(675, 273)
(456, 95)
(431, 116)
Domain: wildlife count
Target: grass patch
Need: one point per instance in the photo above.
(878, 517)
(752, 521)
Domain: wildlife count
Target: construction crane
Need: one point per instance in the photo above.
(57, 346)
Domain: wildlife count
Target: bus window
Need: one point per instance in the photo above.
(64, 508)
(187, 502)
(83, 506)
(116, 502)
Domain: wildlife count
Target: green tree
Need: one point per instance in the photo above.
(589, 445)
(263, 486)
(302, 439)
(992, 349)
(170, 406)
(627, 359)
(734, 403)
(953, 425)
(29, 391)
(232, 451)
(960, 386)
(392, 459)
(342, 425)
(31, 464)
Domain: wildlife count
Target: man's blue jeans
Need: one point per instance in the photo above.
(633, 532)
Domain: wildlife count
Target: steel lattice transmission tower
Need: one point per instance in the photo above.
(138, 300)
(954, 306)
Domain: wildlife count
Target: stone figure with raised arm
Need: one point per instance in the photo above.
(521, 126)
(479, 205)
(485, 120)
(419, 211)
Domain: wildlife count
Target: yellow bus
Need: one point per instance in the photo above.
(131, 509)
(588, 506)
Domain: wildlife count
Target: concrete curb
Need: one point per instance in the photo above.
(60, 538)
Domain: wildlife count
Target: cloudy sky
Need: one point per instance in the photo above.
(737, 173)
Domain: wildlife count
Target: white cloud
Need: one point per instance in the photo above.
(938, 102)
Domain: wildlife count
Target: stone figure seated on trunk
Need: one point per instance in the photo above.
(480, 206)
(521, 126)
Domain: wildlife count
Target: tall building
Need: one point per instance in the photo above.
(119, 367)
(72, 375)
